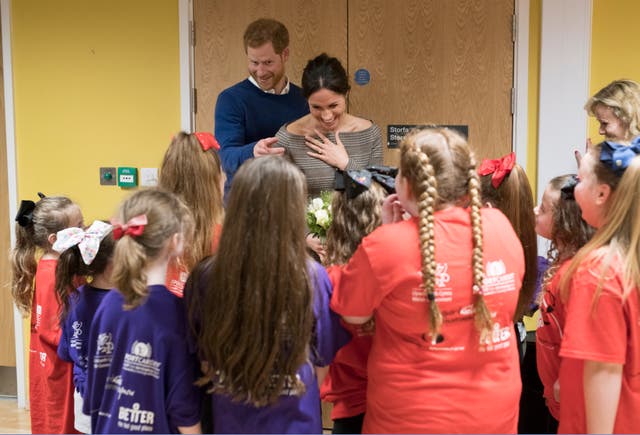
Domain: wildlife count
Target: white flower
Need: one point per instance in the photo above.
(315, 205)
(322, 218)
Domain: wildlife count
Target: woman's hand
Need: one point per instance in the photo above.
(392, 210)
(315, 244)
(333, 154)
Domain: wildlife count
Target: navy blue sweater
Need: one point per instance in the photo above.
(245, 114)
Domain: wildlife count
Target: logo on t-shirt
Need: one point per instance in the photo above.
(104, 351)
(115, 383)
(135, 419)
(38, 315)
(496, 339)
(443, 292)
(139, 360)
(497, 280)
(76, 341)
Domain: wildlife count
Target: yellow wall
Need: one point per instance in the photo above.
(535, 26)
(96, 84)
(614, 42)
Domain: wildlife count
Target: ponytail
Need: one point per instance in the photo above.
(23, 267)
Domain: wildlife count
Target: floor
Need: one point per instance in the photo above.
(12, 419)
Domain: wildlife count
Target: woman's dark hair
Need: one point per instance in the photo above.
(324, 72)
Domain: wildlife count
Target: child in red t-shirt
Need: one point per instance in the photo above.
(600, 351)
(191, 169)
(443, 287)
(33, 289)
(558, 219)
(356, 210)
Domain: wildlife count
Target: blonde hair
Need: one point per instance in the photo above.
(166, 216)
(352, 220)
(51, 214)
(623, 97)
(195, 176)
(620, 233)
(440, 168)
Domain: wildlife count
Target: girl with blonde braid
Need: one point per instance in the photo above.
(443, 288)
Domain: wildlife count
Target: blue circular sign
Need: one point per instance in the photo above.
(362, 76)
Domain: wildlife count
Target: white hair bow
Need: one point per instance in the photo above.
(88, 241)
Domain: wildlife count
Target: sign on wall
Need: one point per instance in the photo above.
(396, 132)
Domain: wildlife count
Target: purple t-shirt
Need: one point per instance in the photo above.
(141, 374)
(291, 414)
(75, 331)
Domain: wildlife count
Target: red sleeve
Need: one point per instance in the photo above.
(595, 332)
(356, 291)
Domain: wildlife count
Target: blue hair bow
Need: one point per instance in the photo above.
(617, 156)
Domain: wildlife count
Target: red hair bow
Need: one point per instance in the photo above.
(500, 168)
(133, 228)
(207, 141)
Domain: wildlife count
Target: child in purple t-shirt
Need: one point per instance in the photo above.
(141, 374)
(260, 311)
(83, 254)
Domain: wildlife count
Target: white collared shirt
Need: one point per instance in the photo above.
(285, 90)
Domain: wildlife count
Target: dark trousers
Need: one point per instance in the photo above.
(348, 424)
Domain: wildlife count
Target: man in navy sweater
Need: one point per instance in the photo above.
(249, 113)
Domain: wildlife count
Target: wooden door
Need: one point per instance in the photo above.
(220, 61)
(435, 62)
(7, 338)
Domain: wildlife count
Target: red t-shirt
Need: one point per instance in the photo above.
(466, 383)
(609, 332)
(346, 383)
(177, 273)
(50, 378)
(549, 337)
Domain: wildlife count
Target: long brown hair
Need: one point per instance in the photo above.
(195, 176)
(514, 198)
(440, 168)
(620, 232)
(51, 214)
(253, 315)
(166, 216)
(70, 265)
(352, 220)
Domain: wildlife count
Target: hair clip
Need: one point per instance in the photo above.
(500, 168)
(133, 228)
(567, 189)
(617, 156)
(88, 241)
(207, 141)
(24, 217)
(41, 195)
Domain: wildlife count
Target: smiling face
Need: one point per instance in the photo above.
(611, 127)
(328, 108)
(267, 67)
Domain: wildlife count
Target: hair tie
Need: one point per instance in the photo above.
(500, 168)
(568, 188)
(134, 227)
(617, 157)
(207, 141)
(24, 217)
(88, 241)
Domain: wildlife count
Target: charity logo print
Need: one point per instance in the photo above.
(442, 277)
(76, 338)
(115, 383)
(139, 360)
(495, 339)
(104, 350)
(497, 280)
(135, 419)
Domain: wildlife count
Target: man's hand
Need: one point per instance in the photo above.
(264, 147)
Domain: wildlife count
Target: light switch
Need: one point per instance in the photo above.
(148, 176)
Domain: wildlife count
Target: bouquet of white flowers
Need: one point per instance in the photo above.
(319, 215)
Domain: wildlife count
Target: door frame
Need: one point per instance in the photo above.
(12, 186)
